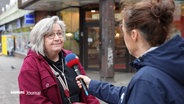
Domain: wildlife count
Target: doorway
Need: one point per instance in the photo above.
(121, 56)
(91, 42)
(93, 31)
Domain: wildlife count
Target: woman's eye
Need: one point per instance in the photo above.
(59, 34)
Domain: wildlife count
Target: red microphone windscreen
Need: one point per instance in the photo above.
(71, 60)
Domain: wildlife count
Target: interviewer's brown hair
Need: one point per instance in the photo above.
(152, 17)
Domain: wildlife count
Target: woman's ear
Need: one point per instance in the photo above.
(134, 34)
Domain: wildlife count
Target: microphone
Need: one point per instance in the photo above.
(72, 61)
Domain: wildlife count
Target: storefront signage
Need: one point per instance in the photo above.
(29, 18)
(18, 25)
(2, 28)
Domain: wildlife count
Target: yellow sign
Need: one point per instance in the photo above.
(4, 45)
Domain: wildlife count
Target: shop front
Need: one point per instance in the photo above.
(8, 44)
(83, 36)
(84, 31)
(15, 36)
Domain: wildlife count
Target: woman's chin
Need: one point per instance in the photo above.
(57, 49)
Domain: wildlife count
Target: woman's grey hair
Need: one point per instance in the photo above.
(42, 28)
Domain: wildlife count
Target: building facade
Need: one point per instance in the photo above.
(89, 35)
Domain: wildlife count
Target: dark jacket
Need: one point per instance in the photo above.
(39, 85)
(159, 80)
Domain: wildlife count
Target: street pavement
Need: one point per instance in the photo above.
(9, 70)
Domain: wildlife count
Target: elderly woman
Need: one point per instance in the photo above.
(159, 63)
(46, 56)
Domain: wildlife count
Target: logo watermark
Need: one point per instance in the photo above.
(26, 92)
(17, 92)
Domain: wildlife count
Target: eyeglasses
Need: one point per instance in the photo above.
(52, 35)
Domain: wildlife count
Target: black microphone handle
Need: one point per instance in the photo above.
(81, 80)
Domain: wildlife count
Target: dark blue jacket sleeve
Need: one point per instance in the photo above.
(105, 91)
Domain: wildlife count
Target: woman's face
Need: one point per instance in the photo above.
(53, 43)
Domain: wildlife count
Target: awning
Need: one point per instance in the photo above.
(52, 5)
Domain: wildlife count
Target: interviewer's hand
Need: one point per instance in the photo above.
(85, 78)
